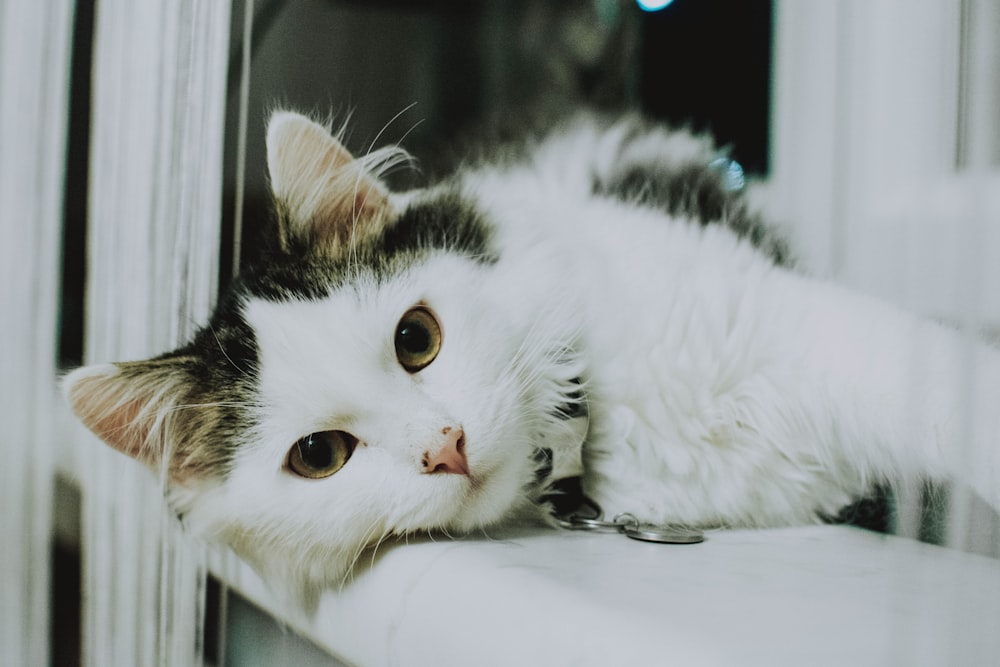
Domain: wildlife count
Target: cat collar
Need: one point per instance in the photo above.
(560, 476)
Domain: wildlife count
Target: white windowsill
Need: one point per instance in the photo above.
(818, 595)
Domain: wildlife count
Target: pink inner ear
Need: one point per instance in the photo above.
(123, 423)
(327, 193)
(369, 201)
(301, 157)
(123, 430)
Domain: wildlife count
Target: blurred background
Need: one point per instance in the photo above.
(430, 73)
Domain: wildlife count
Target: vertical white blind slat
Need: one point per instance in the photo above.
(866, 120)
(156, 164)
(34, 74)
(979, 138)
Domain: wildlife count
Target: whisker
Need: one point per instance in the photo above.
(390, 122)
(378, 543)
(218, 341)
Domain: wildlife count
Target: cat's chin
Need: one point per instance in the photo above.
(487, 499)
(480, 504)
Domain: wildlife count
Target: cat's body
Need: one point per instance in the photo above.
(610, 269)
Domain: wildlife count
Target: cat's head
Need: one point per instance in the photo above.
(383, 369)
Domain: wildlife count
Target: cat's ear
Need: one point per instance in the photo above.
(323, 193)
(133, 407)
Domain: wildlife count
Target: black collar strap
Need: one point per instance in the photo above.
(560, 467)
(559, 479)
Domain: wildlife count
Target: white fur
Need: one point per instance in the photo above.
(723, 390)
(727, 391)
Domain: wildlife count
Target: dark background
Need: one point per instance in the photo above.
(445, 66)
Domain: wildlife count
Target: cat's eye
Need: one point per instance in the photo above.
(321, 454)
(418, 338)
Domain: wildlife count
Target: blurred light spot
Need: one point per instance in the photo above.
(733, 178)
(653, 5)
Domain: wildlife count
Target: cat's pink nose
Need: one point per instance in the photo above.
(451, 456)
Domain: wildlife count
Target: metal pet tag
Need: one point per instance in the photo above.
(647, 532)
(629, 526)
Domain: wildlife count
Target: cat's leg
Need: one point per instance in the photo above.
(913, 399)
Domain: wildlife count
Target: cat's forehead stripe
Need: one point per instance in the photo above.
(445, 221)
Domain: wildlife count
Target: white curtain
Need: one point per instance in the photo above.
(158, 103)
(34, 67)
(155, 201)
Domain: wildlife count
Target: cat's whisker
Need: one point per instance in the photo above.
(385, 534)
(388, 123)
(403, 158)
(222, 348)
(208, 404)
(486, 534)
(366, 542)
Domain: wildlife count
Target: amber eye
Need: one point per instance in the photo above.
(418, 338)
(321, 454)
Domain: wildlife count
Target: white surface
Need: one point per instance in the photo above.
(822, 595)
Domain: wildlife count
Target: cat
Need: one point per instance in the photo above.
(597, 300)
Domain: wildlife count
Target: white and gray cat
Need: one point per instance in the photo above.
(403, 362)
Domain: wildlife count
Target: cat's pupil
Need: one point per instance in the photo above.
(414, 338)
(316, 451)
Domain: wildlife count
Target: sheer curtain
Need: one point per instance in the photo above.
(885, 157)
(34, 66)
(158, 96)
(153, 249)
